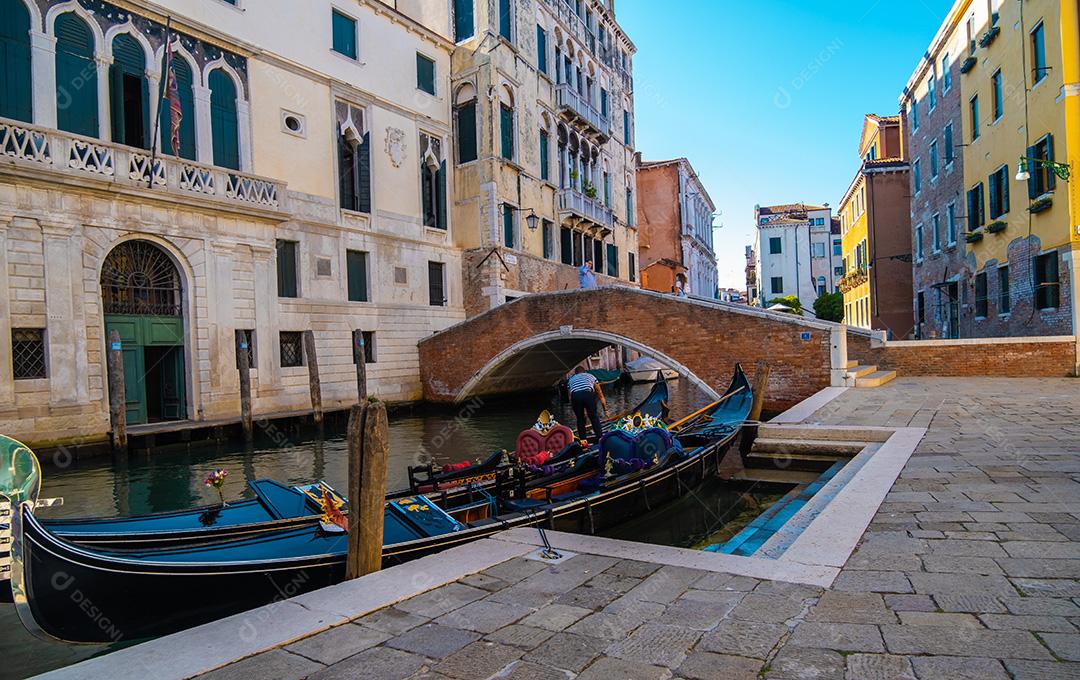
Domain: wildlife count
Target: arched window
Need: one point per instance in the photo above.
(223, 120)
(129, 93)
(506, 124)
(185, 81)
(15, 88)
(139, 278)
(465, 115)
(76, 76)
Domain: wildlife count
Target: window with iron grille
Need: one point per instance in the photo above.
(292, 349)
(28, 353)
(246, 335)
(140, 278)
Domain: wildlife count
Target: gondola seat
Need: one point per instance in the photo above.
(531, 441)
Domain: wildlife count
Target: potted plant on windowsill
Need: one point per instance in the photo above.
(989, 36)
(995, 227)
(589, 189)
(968, 64)
(973, 236)
(1041, 204)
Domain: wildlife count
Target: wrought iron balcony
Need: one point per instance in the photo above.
(569, 101)
(30, 146)
(576, 204)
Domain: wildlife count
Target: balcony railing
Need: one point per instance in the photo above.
(569, 16)
(579, 205)
(86, 157)
(568, 99)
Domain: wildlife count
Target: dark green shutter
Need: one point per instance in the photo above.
(440, 199)
(612, 260)
(76, 95)
(356, 266)
(16, 100)
(545, 173)
(505, 19)
(506, 125)
(1051, 178)
(286, 269)
(1004, 190)
(344, 29)
(223, 122)
(603, 102)
(1033, 171)
(466, 121)
(347, 173)
(184, 80)
(546, 237)
(363, 174)
(463, 20)
(425, 74)
(130, 122)
(508, 226)
(598, 256)
(626, 127)
(993, 196)
(541, 49)
(566, 245)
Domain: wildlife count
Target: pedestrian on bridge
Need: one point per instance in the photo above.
(585, 392)
(586, 277)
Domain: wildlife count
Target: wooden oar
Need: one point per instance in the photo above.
(696, 414)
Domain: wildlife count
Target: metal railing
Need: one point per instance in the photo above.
(80, 156)
(574, 202)
(567, 98)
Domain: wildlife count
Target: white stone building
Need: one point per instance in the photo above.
(307, 192)
(798, 252)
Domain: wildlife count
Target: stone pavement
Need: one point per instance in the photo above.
(969, 570)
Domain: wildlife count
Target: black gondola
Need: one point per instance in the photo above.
(79, 594)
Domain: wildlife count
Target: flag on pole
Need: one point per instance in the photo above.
(176, 109)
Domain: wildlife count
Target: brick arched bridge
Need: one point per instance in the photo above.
(533, 341)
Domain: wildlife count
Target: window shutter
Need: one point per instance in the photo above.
(440, 199)
(74, 57)
(363, 174)
(544, 160)
(463, 20)
(566, 245)
(346, 174)
(507, 129)
(1033, 190)
(467, 132)
(612, 260)
(505, 19)
(508, 226)
(356, 264)
(223, 122)
(541, 49)
(15, 78)
(425, 74)
(1051, 178)
(993, 196)
(603, 103)
(116, 102)
(1004, 172)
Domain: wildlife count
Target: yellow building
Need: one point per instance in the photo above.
(1070, 49)
(1018, 224)
(875, 228)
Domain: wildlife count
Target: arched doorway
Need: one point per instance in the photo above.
(142, 298)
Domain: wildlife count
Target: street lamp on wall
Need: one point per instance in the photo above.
(532, 220)
(1023, 173)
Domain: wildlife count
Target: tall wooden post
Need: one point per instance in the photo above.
(117, 394)
(243, 358)
(360, 359)
(368, 436)
(313, 375)
(761, 382)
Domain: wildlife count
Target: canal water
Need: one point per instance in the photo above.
(171, 478)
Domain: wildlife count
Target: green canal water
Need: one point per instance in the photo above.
(171, 478)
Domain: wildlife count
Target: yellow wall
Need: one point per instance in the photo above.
(1070, 47)
(854, 231)
(1003, 141)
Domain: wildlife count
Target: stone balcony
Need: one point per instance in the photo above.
(570, 102)
(85, 159)
(569, 17)
(577, 205)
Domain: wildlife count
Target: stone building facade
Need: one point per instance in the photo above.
(542, 94)
(797, 252)
(307, 192)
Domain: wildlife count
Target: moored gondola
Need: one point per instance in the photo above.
(81, 594)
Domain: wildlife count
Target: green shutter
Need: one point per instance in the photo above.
(993, 197)
(130, 120)
(223, 122)
(506, 18)
(76, 95)
(546, 237)
(363, 174)
(508, 226)
(612, 260)
(1051, 178)
(541, 49)
(463, 20)
(466, 122)
(16, 100)
(544, 160)
(440, 198)
(506, 125)
(626, 127)
(1033, 171)
(286, 269)
(566, 245)
(356, 265)
(347, 174)
(425, 74)
(1004, 189)
(344, 29)
(603, 102)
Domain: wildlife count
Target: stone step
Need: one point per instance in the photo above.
(852, 363)
(756, 462)
(775, 476)
(860, 371)
(875, 379)
(808, 447)
(824, 433)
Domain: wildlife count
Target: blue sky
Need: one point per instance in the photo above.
(766, 98)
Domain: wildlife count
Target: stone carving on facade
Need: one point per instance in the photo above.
(395, 146)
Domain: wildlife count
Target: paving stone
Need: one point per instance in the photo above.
(1041, 606)
(609, 581)
(484, 616)
(632, 568)
(961, 584)
(392, 621)
(1032, 587)
(1042, 624)
(568, 651)
(795, 591)
(606, 668)
(525, 670)
(960, 565)
(911, 603)
(743, 638)
(805, 663)
(656, 645)
(1042, 670)
(276, 664)
(484, 582)
(965, 602)
(767, 608)
(514, 570)
(963, 642)
(697, 615)
(1040, 568)
(838, 607)
(481, 659)
(517, 635)
(709, 666)
(555, 617)
(844, 637)
(588, 597)
(333, 645)
(665, 585)
(635, 608)
(879, 667)
(713, 596)
(872, 582)
(378, 662)
(720, 581)
(609, 627)
(953, 620)
(965, 548)
(957, 668)
(1043, 549)
(433, 640)
(441, 600)
(867, 560)
(1063, 645)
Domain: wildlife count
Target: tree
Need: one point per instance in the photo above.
(792, 301)
(830, 307)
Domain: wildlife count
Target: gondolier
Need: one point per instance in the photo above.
(584, 392)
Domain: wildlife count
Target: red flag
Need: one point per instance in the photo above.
(176, 109)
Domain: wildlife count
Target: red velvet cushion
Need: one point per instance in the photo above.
(529, 443)
(559, 438)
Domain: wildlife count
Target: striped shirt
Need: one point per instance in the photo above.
(582, 382)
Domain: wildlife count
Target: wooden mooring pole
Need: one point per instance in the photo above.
(368, 436)
(360, 359)
(761, 382)
(243, 358)
(313, 375)
(117, 395)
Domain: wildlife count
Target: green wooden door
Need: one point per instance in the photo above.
(137, 333)
(172, 385)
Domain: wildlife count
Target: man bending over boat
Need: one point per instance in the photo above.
(584, 393)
